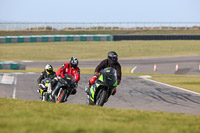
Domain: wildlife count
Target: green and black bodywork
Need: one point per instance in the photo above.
(103, 87)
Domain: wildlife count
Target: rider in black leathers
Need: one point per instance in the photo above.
(47, 73)
(111, 61)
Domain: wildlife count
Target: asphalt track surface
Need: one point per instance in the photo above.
(133, 92)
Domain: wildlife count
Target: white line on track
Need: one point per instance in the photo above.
(172, 86)
(133, 69)
(7, 79)
(14, 90)
(27, 61)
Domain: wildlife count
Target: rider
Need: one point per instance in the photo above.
(69, 68)
(47, 73)
(111, 61)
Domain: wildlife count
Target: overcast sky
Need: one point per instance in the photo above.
(100, 10)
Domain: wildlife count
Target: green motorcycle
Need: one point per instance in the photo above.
(103, 87)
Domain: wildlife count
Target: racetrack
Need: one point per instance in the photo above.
(188, 65)
(132, 93)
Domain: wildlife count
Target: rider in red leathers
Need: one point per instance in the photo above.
(69, 68)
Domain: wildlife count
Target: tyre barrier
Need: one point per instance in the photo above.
(155, 37)
(62, 38)
(12, 66)
(54, 38)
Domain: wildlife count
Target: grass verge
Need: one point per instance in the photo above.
(52, 51)
(35, 116)
(112, 32)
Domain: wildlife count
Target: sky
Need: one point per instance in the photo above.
(99, 10)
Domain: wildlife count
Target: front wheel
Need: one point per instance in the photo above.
(101, 97)
(61, 96)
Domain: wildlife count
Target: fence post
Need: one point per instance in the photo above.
(52, 27)
(15, 26)
(29, 27)
(168, 27)
(144, 26)
(8, 28)
(45, 27)
(152, 26)
(82, 26)
(160, 26)
(135, 26)
(59, 26)
(75, 26)
(22, 26)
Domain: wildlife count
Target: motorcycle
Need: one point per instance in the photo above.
(45, 89)
(103, 87)
(64, 88)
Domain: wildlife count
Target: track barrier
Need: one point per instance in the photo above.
(54, 38)
(62, 38)
(12, 66)
(155, 37)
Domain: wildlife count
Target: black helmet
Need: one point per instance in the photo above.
(74, 62)
(113, 57)
(49, 69)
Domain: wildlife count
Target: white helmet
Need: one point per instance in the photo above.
(49, 69)
(74, 62)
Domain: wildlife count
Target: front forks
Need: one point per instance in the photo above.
(54, 92)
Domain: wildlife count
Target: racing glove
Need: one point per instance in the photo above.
(118, 81)
(96, 74)
(92, 80)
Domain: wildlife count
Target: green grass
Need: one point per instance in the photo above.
(112, 32)
(34, 116)
(189, 82)
(96, 50)
(17, 116)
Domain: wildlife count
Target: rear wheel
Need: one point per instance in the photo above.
(61, 95)
(101, 97)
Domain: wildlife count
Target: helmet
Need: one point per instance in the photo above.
(74, 62)
(49, 69)
(113, 57)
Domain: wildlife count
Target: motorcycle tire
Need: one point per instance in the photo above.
(47, 97)
(102, 98)
(61, 97)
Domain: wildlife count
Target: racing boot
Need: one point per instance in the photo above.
(114, 91)
(73, 92)
(87, 90)
(38, 90)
